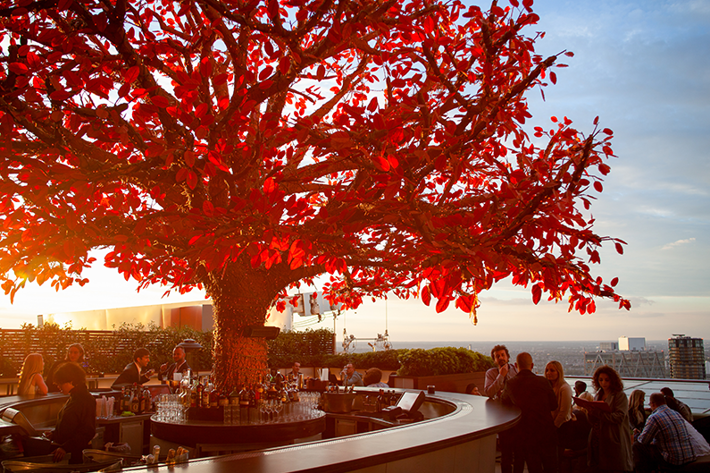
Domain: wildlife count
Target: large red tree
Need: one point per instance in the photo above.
(246, 146)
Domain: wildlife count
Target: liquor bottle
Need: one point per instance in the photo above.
(244, 405)
(200, 389)
(223, 399)
(118, 402)
(234, 397)
(135, 401)
(259, 391)
(141, 400)
(206, 394)
(214, 396)
(193, 397)
(253, 406)
(148, 400)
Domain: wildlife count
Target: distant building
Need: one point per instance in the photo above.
(632, 344)
(628, 357)
(629, 364)
(686, 357)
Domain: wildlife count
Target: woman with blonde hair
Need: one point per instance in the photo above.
(637, 412)
(555, 374)
(31, 380)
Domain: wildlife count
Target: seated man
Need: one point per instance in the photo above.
(677, 405)
(373, 379)
(179, 365)
(135, 373)
(350, 376)
(664, 441)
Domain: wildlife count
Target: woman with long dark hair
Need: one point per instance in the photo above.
(75, 354)
(610, 440)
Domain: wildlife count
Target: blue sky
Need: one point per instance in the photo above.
(644, 69)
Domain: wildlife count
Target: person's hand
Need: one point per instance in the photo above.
(149, 373)
(163, 367)
(504, 370)
(58, 454)
(47, 434)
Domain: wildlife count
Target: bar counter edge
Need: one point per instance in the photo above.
(462, 441)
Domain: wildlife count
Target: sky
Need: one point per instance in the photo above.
(643, 67)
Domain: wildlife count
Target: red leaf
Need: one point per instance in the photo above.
(269, 185)
(159, 101)
(442, 304)
(33, 60)
(553, 77)
(426, 296)
(284, 65)
(189, 158)
(18, 68)
(382, 163)
(266, 72)
(536, 293)
(372, 106)
(131, 74)
(191, 179)
(614, 282)
(598, 186)
(607, 131)
(619, 248)
(60, 95)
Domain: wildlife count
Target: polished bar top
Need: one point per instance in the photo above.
(210, 432)
(472, 417)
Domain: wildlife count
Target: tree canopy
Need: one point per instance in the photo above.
(245, 146)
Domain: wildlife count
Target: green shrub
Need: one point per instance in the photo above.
(308, 348)
(442, 360)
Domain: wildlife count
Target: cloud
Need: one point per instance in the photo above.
(677, 243)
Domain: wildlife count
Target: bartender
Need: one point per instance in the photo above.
(295, 377)
(76, 423)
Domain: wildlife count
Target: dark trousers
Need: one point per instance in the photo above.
(648, 458)
(541, 458)
(511, 452)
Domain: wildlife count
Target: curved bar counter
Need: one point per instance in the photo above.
(457, 435)
(204, 432)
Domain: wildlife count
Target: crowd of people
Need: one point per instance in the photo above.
(616, 432)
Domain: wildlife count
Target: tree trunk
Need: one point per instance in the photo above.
(241, 298)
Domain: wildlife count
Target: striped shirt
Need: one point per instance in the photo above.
(665, 428)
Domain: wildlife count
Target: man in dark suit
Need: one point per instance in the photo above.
(179, 365)
(135, 373)
(536, 431)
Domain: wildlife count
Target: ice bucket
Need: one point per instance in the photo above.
(338, 402)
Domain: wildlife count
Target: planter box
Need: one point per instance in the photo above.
(453, 383)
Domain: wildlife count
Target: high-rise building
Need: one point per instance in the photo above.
(686, 357)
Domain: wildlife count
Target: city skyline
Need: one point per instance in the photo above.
(642, 68)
